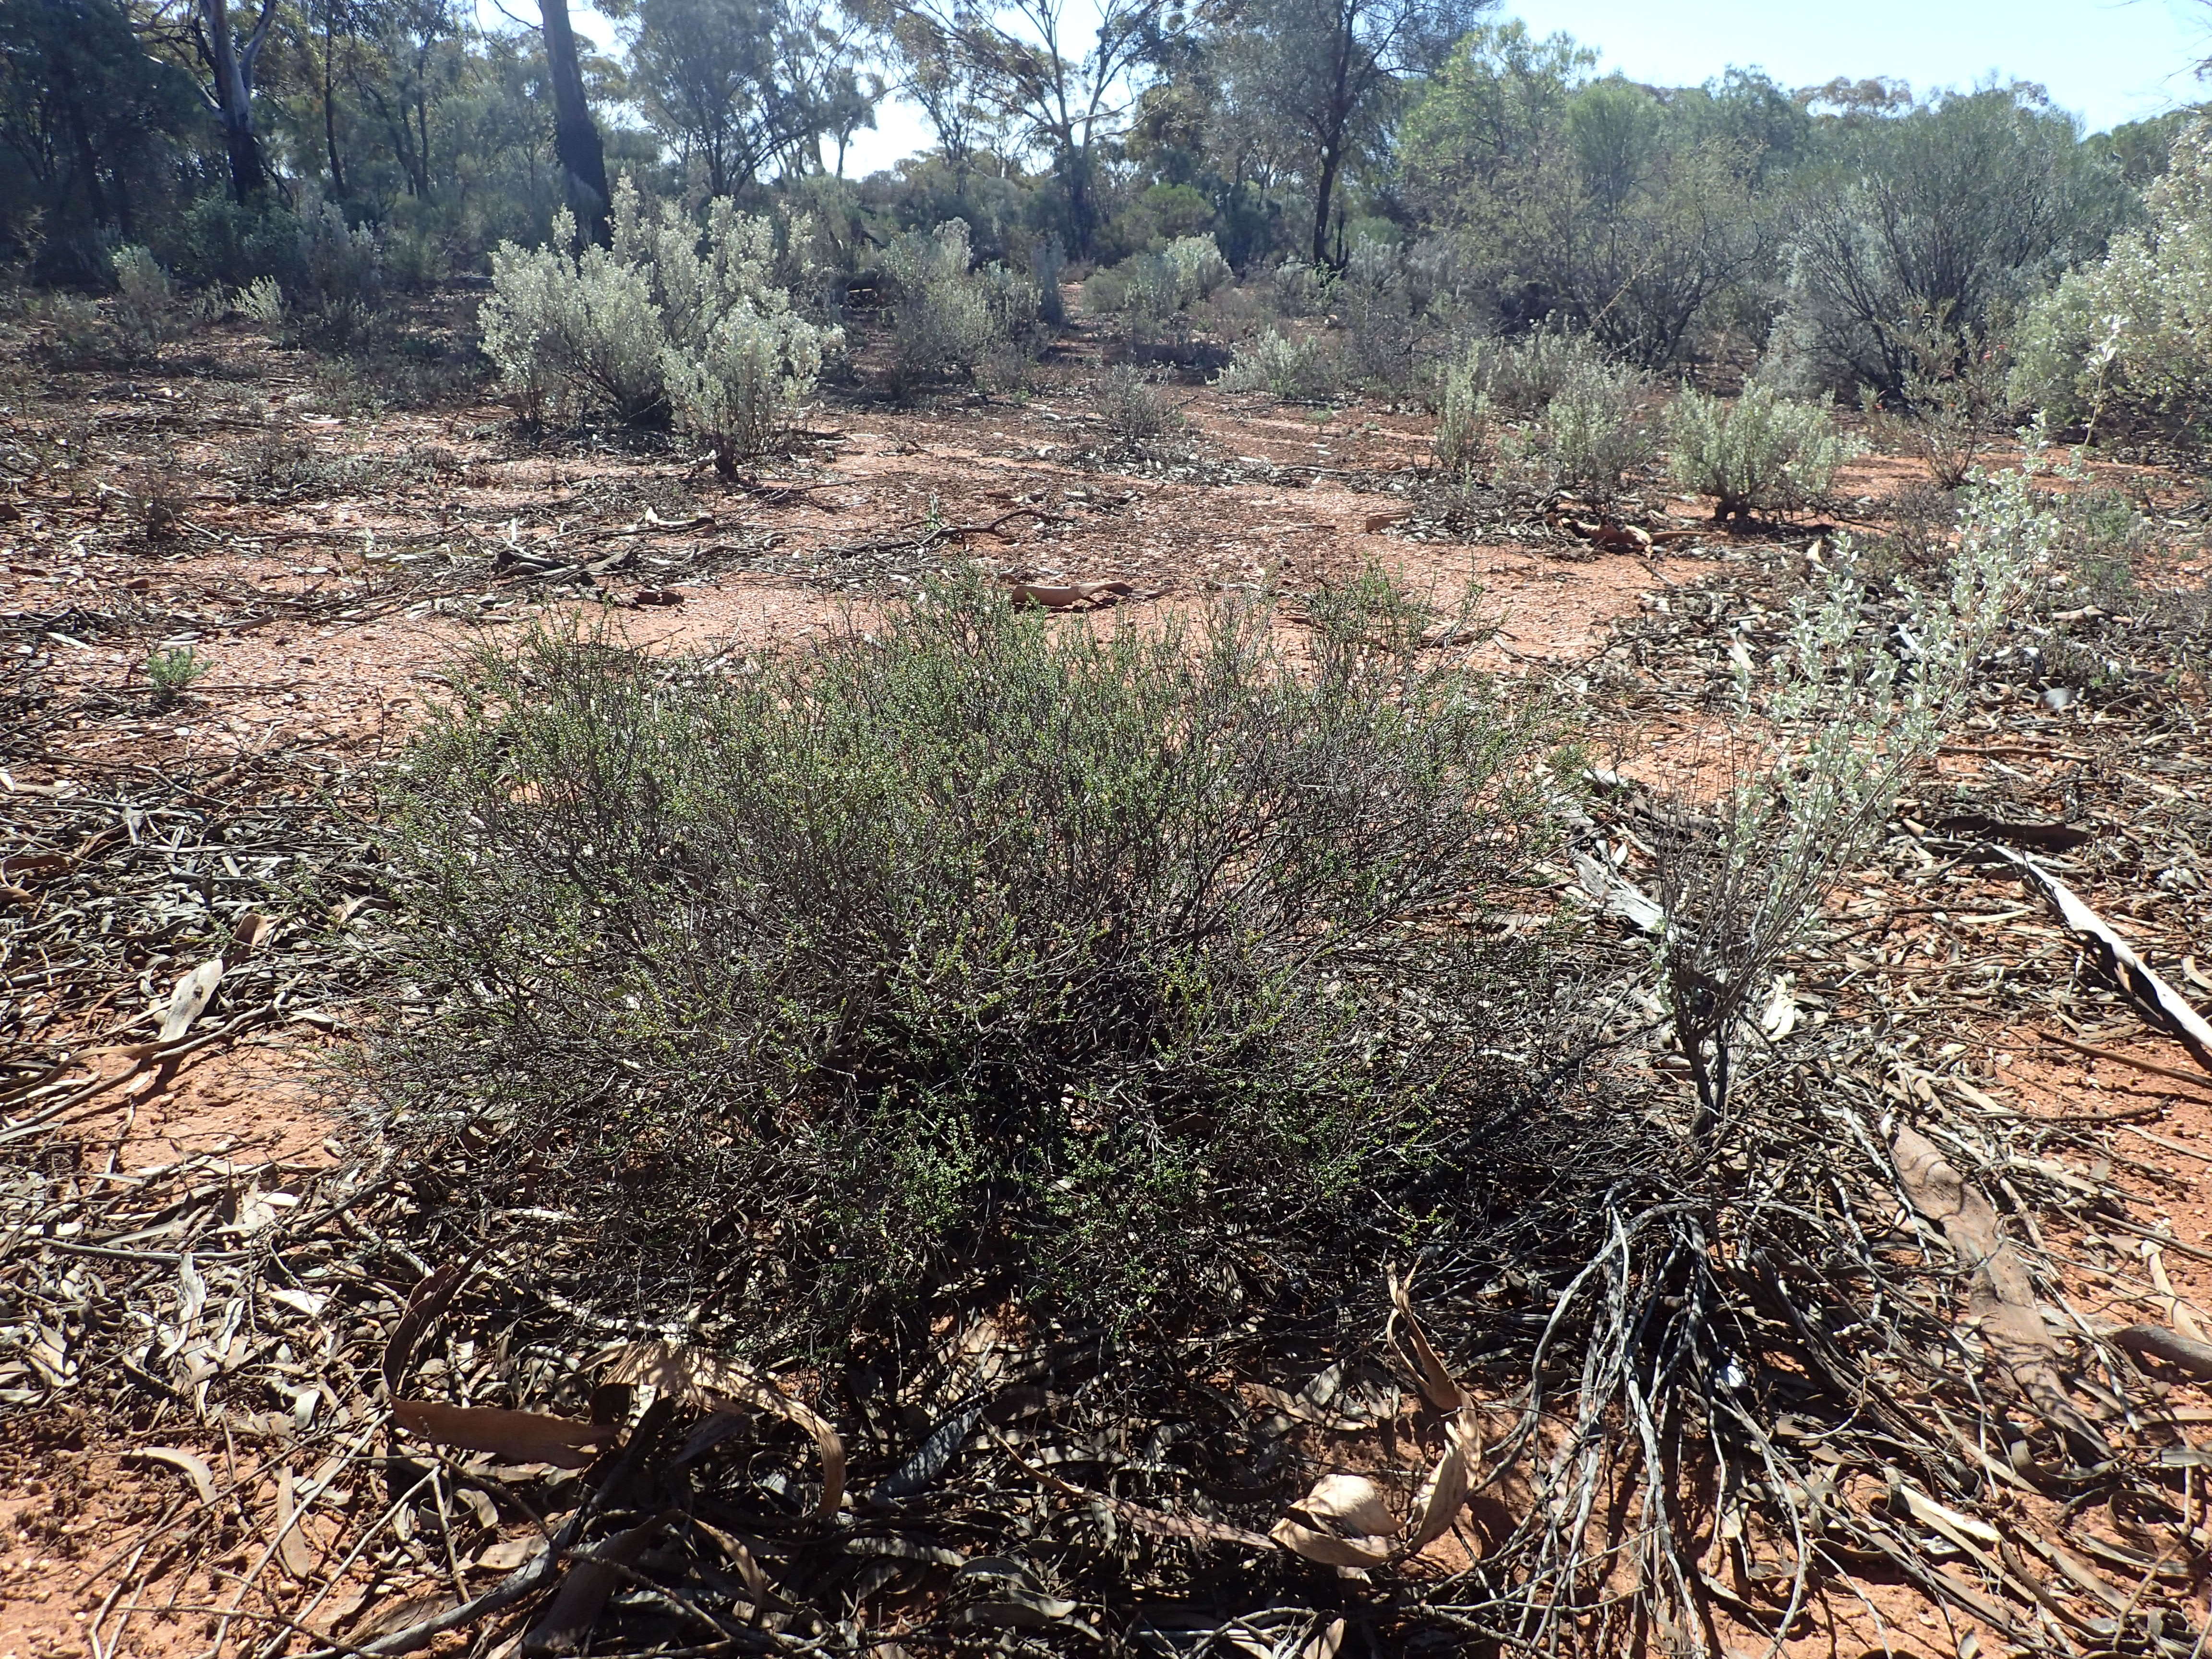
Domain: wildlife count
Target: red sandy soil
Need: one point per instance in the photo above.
(353, 686)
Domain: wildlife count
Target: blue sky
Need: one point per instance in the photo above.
(2108, 61)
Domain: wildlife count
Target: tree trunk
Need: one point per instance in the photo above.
(1324, 191)
(233, 103)
(330, 113)
(575, 138)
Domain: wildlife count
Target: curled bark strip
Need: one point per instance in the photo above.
(715, 1382)
(518, 1436)
(1437, 1385)
(2165, 1006)
(2002, 1297)
(431, 1297)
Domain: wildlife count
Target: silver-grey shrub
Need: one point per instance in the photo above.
(670, 320)
(1759, 453)
(1296, 369)
(949, 322)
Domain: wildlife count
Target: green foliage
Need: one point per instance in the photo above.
(1134, 410)
(1827, 729)
(1295, 369)
(2131, 334)
(1522, 374)
(1592, 436)
(738, 85)
(91, 128)
(1958, 209)
(738, 389)
(149, 311)
(1466, 418)
(976, 943)
(1759, 453)
(172, 673)
(1160, 285)
(1952, 401)
(1595, 205)
(668, 320)
(949, 322)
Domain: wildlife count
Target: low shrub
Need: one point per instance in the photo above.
(1761, 452)
(949, 322)
(737, 390)
(669, 321)
(1386, 335)
(1163, 284)
(1520, 375)
(172, 673)
(1953, 399)
(1298, 371)
(1134, 410)
(337, 281)
(148, 311)
(1592, 436)
(1295, 289)
(1047, 263)
(1465, 421)
(1113, 974)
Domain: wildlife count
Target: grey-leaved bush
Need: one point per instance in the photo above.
(970, 945)
(1153, 287)
(951, 322)
(1825, 730)
(1592, 435)
(2132, 332)
(1294, 369)
(668, 320)
(1758, 452)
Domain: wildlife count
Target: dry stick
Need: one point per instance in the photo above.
(532, 1575)
(369, 1535)
(2194, 1079)
(299, 1508)
(2170, 1145)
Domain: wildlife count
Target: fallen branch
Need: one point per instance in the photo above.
(2192, 1078)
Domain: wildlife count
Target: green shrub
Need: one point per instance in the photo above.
(667, 320)
(577, 334)
(338, 283)
(1592, 435)
(1520, 375)
(148, 311)
(1161, 285)
(1106, 292)
(1048, 262)
(738, 389)
(1295, 289)
(172, 673)
(1134, 411)
(1952, 399)
(949, 322)
(1115, 970)
(2132, 332)
(1761, 452)
(1298, 371)
(1465, 419)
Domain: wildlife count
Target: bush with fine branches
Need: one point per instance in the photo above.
(975, 945)
(1759, 453)
(669, 320)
